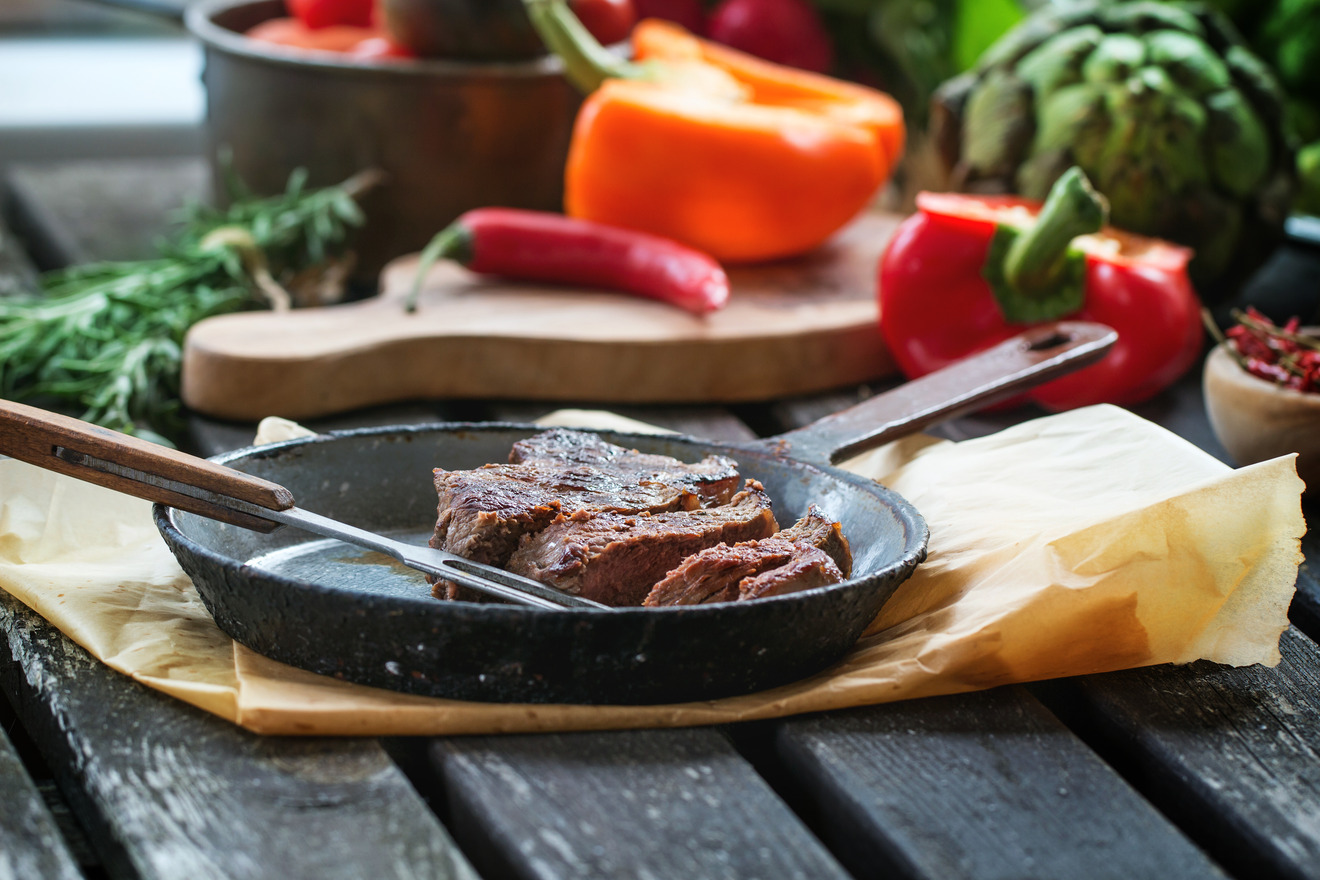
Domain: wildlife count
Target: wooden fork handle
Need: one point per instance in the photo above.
(49, 440)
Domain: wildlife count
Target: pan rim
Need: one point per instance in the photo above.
(913, 552)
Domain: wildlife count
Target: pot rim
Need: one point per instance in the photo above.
(199, 19)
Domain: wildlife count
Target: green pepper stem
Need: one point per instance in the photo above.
(587, 63)
(1038, 256)
(454, 242)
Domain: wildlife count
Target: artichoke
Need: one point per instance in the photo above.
(1163, 107)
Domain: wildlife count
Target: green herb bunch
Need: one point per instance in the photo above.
(107, 339)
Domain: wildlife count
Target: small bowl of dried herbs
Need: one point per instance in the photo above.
(1262, 392)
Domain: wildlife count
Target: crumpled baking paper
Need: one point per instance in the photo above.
(1083, 542)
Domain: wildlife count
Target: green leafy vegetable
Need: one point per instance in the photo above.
(977, 24)
(1167, 112)
(107, 339)
(909, 47)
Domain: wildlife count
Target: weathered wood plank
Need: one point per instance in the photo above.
(977, 786)
(904, 798)
(1231, 755)
(1305, 609)
(30, 842)
(167, 791)
(656, 804)
(17, 274)
(76, 212)
(1189, 765)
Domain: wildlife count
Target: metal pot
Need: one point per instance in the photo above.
(449, 135)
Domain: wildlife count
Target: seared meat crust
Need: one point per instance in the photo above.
(714, 478)
(713, 575)
(818, 530)
(617, 558)
(800, 557)
(810, 568)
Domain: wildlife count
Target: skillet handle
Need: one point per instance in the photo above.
(59, 443)
(1015, 365)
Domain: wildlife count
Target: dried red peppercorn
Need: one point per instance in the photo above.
(1282, 355)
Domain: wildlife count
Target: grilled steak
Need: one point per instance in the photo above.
(818, 530)
(619, 526)
(810, 553)
(483, 513)
(617, 558)
(811, 567)
(713, 575)
(714, 478)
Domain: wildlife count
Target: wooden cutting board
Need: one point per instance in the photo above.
(794, 327)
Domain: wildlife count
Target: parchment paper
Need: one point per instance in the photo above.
(1083, 542)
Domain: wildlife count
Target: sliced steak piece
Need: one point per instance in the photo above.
(714, 478)
(713, 575)
(617, 558)
(818, 530)
(483, 513)
(510, 500)
(791, 560)
(811, 567)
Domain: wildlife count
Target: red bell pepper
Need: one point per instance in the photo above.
(966, 272)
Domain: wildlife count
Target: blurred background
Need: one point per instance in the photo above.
(1187, 118)
(108, 78)
(82, 79)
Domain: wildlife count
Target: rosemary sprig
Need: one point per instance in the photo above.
(107, 339)
(1212, 327)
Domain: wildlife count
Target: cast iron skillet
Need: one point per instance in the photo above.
(337, 610)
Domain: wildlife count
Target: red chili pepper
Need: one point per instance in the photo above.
(967, 272)
(539, 246)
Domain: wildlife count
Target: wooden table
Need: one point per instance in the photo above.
(1191, 772)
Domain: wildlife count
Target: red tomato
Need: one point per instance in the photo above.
(687, 13)
(609, 21)
(328, 13)
(783, 31)
(292, 32)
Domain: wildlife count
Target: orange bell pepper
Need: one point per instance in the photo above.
(741, 158)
